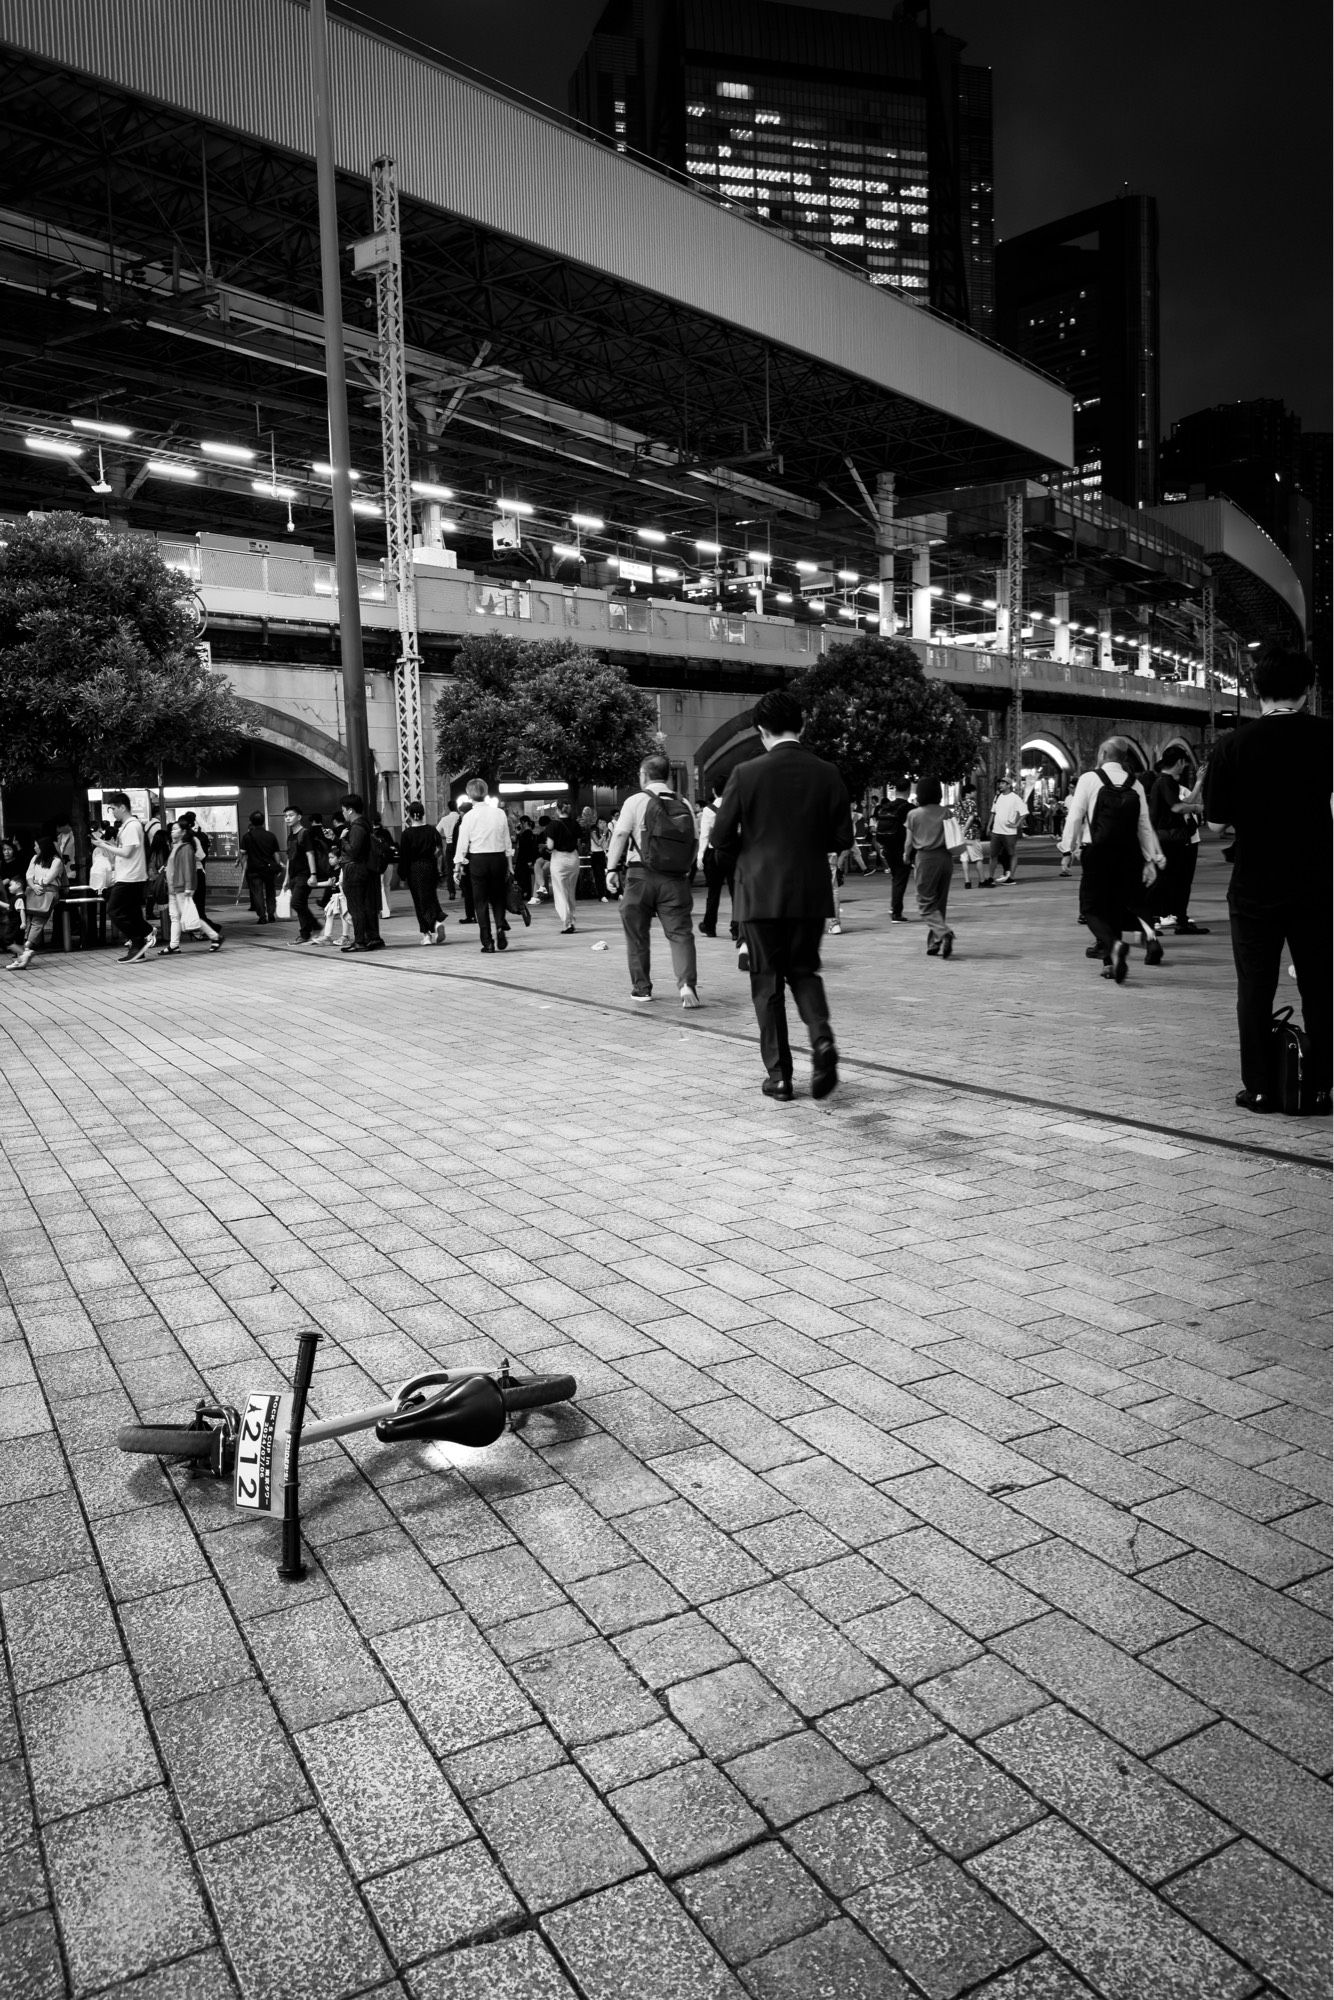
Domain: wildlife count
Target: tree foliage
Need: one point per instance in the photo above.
(99, 676)
(872, 711)
(540, 709)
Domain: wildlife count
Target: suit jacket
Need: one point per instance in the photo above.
(782, 816)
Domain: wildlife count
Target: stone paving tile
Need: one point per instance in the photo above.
(183, 1642)
(289, 1916)
(754, 1902)
(1264, 1698)
(124, 1891)
(879, 1726)
(1134, 1704)
(1267, 1554)
(1121, 1609)
(381, 1789)
(990, 1528)
(912, 1640)
(315, 1662)
(1260, 1792)
(809, 1662)
(622, 1760)
(956, 1796)
(966, 1589)
(838, 1959)
(619, 1600)
(795, 1776)
(592, 1851)
(516, 1968)
(1040, 1978)
(1264, 1913)
(982, 1694)
(1122, 1938)
(678, 1649)
(384, 1582)
(1122, 1804)
(86, 1742)
(940, 1928)
(58, 1627)
(230, 1762)
(432, 1905)
(41, 1538)
(586, 1692)
(695, 1557)
(731, 1711)
(687, 1816)
(456, 1690)
(608, 1940)
(1266, 1619)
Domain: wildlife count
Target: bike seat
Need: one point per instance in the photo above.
(470, 1411)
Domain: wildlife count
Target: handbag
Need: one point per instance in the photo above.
(952, 834)
(282, 905)
(514, 900)
(1289, 1065)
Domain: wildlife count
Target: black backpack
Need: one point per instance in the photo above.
(1114, 821)
(667, 843)
(1289, 1065)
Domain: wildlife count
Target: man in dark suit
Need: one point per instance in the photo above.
(361, 876)
(781, 818)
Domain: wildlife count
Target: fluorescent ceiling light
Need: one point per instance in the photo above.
(937, 590)
(54, 447)
(709, 548)
(423, 488)
(758, 556)
(962, 597)
(650, 534)
(808, 568)
(99, 429)
(326, 471)
(988, 604)
(564, 553)
(816, 603)
(237, 454)
(783, 597)
(846, 611)
(514, 506)
(162, 468)
(848, 576)
(667, 575)
(593, 522)
(365, 507)
(269, 491)
(201, 791)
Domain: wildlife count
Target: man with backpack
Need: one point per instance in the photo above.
(657, 828)
(129, 855)
(1109, 825)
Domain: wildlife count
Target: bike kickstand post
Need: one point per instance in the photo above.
(291, 1567)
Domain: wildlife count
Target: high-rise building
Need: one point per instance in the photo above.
(1254, 454)
(867, 139)
(1079, 298)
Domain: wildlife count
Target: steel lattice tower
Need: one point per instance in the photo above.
(388, 271)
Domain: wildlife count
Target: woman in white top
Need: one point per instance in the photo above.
(41, 893)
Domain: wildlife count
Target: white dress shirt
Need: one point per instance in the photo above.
(485, 830)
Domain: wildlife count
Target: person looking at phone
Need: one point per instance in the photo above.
(129, 857)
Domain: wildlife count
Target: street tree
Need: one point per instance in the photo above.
(100, 679)
(872, 711)
(542, 708)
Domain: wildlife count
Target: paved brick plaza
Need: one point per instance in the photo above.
(928, 1594)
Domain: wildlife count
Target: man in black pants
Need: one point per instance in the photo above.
(125, 903)
(890, 822)
(361, 876)
(485, 850)
(781, 818)
(299, 870)
(717, 873)
(1270, 781)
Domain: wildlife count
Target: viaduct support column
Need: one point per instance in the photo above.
(1105, 660)
(884, 507)
(921, 593)
(1061, 643)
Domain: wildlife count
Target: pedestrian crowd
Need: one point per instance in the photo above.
(781, 836)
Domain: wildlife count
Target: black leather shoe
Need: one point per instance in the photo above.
(1153, 953)
(824, 1069)
(1120, 956)
(779, 1087)
(1093, 951)
(1251, 1100)
(1320, 1106)
(1192, 930)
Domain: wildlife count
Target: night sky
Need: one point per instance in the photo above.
(1220, 109)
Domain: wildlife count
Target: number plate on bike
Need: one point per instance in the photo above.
(261, 1453)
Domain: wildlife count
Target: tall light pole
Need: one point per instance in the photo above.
(1014, 599)
(340, 441)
